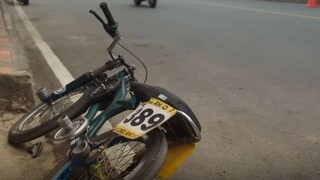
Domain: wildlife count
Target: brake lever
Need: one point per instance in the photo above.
(110, 30)
(98, 17)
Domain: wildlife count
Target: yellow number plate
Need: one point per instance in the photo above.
(145, 118)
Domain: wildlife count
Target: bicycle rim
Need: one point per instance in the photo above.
(47, 112)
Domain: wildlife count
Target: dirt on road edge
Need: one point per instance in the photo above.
(16, 162)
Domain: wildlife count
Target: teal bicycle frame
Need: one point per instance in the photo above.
(118, 105)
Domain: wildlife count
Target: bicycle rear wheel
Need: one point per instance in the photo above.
(118, 158)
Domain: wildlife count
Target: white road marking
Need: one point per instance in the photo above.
(253, 9)
(59, 70)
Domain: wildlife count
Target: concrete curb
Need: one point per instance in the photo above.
(15, 82)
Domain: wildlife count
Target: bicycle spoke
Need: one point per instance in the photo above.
(119, 164)
(62, 106)
(104, 154)
(42, 115)
(114, 148)
(47, 112)
(127, 163)
(132, 148)
(121, 157)
(116, 161)
(125, 157)
(38, 116)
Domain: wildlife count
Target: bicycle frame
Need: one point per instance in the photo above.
(118, 105)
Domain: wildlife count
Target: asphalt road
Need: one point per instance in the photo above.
(249, 69)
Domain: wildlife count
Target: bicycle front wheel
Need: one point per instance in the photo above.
(42, 119)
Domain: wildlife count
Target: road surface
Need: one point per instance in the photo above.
(249, 70)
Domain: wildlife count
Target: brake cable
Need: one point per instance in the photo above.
(144, 66)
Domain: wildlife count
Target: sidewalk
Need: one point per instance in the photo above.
(15, 97)
(15, 86)
(6, 63)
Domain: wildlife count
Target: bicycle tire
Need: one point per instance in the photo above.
(148, 167)
(18, 136)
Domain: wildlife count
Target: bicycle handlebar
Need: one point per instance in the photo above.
(111, 29)
(111, 26)
(107, 13)
(110, 65)
(98, 17)
(106, 67)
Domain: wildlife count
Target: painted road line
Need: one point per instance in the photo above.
(253, 9)
(59, 70)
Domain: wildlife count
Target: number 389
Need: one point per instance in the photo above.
(148, 116)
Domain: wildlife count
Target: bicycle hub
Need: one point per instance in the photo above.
(81, 150)
(70, 129)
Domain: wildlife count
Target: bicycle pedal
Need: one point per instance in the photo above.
(35, 150)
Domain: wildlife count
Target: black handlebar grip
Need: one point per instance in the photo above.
(107, 13)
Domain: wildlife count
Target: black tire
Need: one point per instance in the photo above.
(152, 3)
(137, 2)
(146, 169)
(17, 135)
(26, 2)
